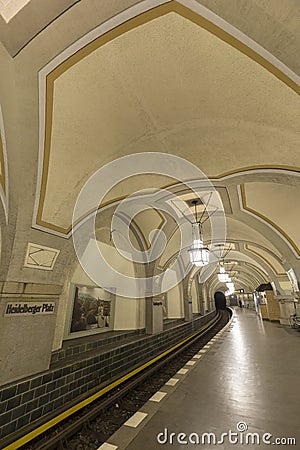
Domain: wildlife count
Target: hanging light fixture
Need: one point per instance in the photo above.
(223, 276)
(199, 254)
(230, 287)
(230, 291)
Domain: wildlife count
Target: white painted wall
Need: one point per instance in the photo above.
(129, 313)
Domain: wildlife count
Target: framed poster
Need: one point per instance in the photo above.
(90, 311)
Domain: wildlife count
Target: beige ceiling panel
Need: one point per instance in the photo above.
(147, 222)
(241, 257)
(167, 85)
(169, 56)
(9, 8)
(237, 230)
(282, 17)
(276, 266)
(278, 204)
(135, 184)
(173, 247)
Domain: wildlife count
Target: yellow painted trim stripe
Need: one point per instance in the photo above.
(46, 426)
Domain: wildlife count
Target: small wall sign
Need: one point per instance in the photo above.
(14, 309)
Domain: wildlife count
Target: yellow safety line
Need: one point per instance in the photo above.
(41, 429)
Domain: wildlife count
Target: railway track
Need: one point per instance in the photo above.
(94, 424)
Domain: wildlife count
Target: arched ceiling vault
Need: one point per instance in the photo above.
(166, 77)
(86, 96)
(247, 275)
(279, 38)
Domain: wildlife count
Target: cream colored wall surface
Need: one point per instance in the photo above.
(195, 298)
(175, 303)
(80, 277)
(108, 277)
(172, 247)
(127, 313)
(116, 260)
(286, 286)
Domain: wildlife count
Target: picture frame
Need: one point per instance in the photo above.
(90, 311)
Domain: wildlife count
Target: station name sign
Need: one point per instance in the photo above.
(29, 309)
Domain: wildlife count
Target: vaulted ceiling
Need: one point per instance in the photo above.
(217, 86)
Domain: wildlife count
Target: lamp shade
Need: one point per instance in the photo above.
(223, 276)
(199, 254)
(230, 287)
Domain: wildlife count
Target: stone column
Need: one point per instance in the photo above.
(206, 306)
(187, 300)
(154, 303)
(296, 287)
(287, 307)
(154, 314)
(200, 288)
(289, 302)
(27, 322)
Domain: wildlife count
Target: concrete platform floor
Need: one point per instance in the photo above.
(250, 375)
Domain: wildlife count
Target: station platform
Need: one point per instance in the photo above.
(246, 381)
